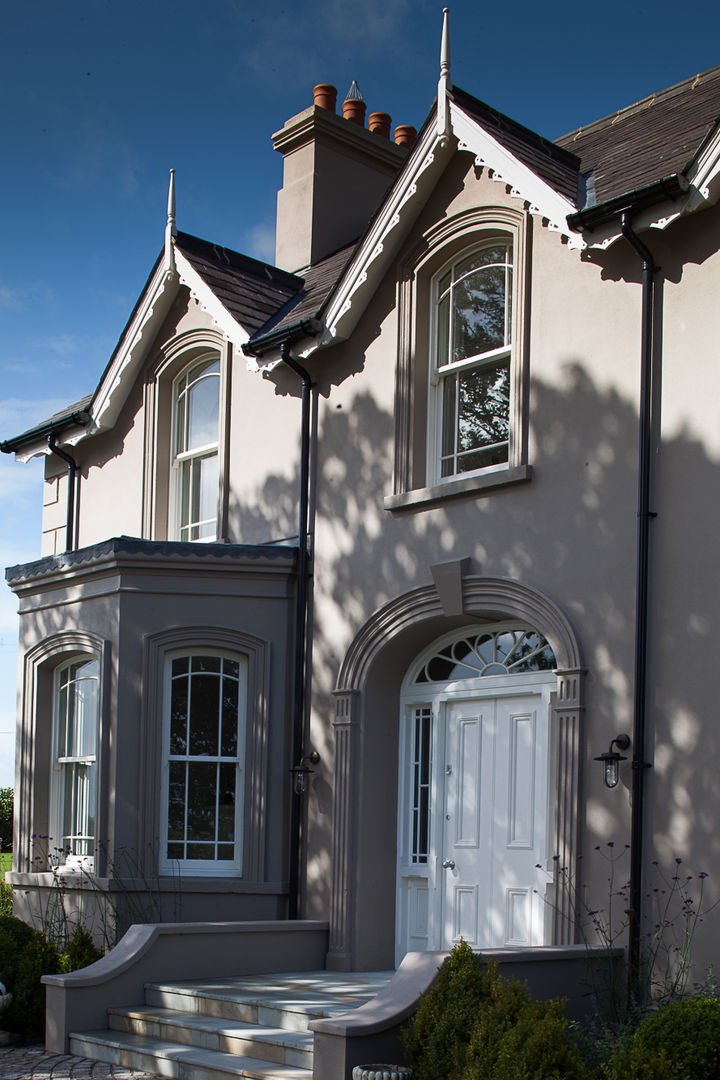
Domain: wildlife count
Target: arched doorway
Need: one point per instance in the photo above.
(475, 818)
(366, 800)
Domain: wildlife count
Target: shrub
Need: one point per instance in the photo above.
(6, 818)
(80, 952)
(475, 1025)
(678, 1042)
(25, 956)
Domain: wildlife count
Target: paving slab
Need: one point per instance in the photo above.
(32, 1063)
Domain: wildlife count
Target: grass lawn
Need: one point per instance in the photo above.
(5, 863)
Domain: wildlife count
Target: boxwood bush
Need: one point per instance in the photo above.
(475, 1025)
(25, 956)
(680, 1041)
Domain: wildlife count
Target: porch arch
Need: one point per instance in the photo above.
(386, 643)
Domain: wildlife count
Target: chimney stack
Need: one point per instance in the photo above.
(335, 173)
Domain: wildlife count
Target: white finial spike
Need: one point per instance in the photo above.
(170, 228)
(444, 127)
(445, 49)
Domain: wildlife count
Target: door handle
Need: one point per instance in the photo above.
(448, 864)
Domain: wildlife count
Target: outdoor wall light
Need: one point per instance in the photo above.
(612, 759)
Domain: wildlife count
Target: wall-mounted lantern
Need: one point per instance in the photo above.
(611, 760)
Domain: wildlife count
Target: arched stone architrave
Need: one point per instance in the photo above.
(485, 599)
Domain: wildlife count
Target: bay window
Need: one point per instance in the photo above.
(75, 763)
(205, 713)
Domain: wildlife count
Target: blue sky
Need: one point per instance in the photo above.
(101, 98)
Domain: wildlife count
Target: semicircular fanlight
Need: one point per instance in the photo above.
(490, 652)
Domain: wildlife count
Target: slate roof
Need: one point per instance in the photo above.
(557, 165)
(252, 291)
(646, 142)
(318, 282)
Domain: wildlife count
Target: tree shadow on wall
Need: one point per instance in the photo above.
(571, 533)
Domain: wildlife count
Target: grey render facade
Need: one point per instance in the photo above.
(423, 765)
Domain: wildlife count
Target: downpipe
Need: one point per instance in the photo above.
(639, 765)
(71, 475)
(299, 768)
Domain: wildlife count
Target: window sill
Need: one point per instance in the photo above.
(464, 485)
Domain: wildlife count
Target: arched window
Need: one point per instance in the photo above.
(74, 795)
(504, 651)
(205, 719)
(472, 375)
(196, 401)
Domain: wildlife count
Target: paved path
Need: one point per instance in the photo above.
(32, 1063)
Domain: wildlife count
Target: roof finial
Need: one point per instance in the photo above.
(170, 229)
(444, 83)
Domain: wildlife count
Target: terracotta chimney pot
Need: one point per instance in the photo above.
(405, 135)
(379, 122)
(354, 110)
(325, 96)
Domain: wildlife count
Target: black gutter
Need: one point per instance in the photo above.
(43, 431)
(72, 473)
(670, 187)
(276, 339)
(641, 603)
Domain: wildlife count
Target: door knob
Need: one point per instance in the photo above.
(448, 864)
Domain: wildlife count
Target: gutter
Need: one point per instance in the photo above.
(277, 339)
(81, 418)
(670, 187)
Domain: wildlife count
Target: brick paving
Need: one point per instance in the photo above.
(32, 1063)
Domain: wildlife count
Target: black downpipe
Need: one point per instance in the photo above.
(641, 617)
(72, 473)
(301, 615)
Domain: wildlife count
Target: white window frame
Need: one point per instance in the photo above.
(204, 867)
(68, 861)
(417, 479)
(442, 374)
(186, 459)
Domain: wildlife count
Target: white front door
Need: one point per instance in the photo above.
(475, 819)
(494, 822)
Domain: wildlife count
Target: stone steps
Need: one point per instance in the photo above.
(253, 1027)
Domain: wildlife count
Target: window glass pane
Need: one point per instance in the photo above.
(202, 803)
(203, 405)
(479, 313)
(484, 407)
(204, 715)
(226, 852)
(178, 715)
(180, 425)
(496, 254)
(177, 801)
(208, 490)
(175, 851)
(206, 663)
(226, 803)
(228, 741)
(180, 665)
(200, 851)
(231, 667)
(443, 338)
(449, 424)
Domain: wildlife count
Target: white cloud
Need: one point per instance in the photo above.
(260, 242)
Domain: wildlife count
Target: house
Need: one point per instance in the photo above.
(354, 565)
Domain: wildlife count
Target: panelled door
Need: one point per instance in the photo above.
(494, 822)
(475, 815)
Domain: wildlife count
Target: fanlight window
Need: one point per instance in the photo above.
(498, 652)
